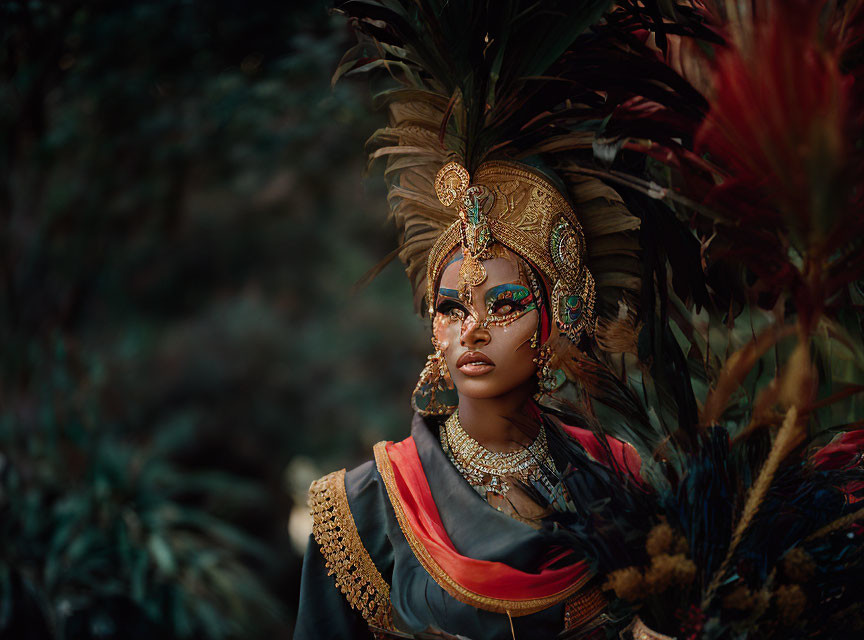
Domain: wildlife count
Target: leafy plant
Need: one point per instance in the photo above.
(105, 538)
(176, 219)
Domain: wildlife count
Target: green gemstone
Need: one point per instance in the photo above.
(554, 381)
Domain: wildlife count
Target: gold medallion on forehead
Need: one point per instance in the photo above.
(451, 186)
(472, 273)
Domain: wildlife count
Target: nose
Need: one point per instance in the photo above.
(474, 333)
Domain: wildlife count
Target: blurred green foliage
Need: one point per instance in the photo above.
(182, 218)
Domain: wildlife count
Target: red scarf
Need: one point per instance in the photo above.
(482, 577)
(513, 589)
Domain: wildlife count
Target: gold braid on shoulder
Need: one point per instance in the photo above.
(346, 558)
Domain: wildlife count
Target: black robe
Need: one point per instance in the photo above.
(476, 529)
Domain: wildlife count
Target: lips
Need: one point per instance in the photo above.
(474, 363)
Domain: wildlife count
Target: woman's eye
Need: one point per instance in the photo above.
(453, 311)
(503, 308)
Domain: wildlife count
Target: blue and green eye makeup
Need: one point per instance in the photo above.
(506, 303)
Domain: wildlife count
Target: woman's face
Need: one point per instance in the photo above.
(486, 340)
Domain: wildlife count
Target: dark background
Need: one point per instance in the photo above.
(183, 215)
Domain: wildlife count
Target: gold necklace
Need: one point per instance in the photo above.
(486, 470)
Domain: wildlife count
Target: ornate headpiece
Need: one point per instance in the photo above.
(474, 103)
(510, 204)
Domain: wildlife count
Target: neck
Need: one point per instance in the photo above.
(499, 423)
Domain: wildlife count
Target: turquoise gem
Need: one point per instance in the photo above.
(554, 381)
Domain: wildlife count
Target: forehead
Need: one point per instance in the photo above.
(499, 270)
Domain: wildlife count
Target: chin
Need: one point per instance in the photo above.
(483, 389)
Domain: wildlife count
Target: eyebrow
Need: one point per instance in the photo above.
(448, 293)
(494, 291)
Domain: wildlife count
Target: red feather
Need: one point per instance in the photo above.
(782, 127)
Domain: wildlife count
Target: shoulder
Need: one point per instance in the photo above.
(356, 489)
(347, 515)
(356, 501)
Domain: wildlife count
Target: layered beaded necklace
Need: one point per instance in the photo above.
(487, 471)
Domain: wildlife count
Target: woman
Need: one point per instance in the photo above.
(502, 242)
(441, 531)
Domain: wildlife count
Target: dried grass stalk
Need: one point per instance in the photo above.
(787, 436)
(736, 369)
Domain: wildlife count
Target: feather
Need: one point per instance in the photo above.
(516, 80)
(786, 437)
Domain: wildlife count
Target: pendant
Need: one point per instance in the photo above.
(472, 271)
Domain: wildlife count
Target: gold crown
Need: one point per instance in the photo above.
(513, 205)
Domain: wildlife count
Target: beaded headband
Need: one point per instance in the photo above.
(511, 204)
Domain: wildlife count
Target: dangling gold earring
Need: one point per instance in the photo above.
(535, 339)
(550, 380)
(435, 393)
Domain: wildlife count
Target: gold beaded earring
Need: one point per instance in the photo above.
(435, 393)
(550, 379)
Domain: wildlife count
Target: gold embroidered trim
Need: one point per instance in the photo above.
(583, 607)
(346, 558)
(512, 607)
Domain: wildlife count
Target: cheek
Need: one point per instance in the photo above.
(517, 335)
(446, 332)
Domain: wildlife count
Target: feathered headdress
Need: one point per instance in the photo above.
(564, 106)
(485, 86)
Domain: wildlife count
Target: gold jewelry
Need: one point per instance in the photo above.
(551, 379)
(539, 300)
(435, 394)
(487, 470)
